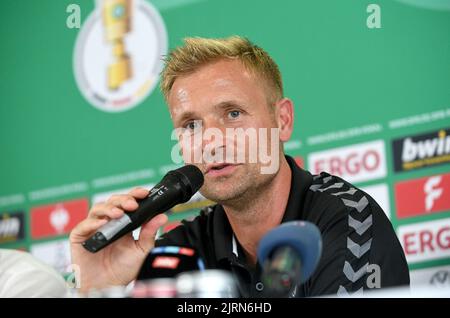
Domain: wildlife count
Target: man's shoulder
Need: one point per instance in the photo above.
(358, 230)
(331, 200)
(329, 191)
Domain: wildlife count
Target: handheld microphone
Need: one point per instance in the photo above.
(289, 255)
(177, 186)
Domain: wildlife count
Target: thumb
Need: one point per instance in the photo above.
(148, 232)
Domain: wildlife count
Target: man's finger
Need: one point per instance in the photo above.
(123, 201)
(102, 210)
(139, 193)
(85, 229)
(148, 232)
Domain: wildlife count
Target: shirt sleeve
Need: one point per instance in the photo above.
(360, 249)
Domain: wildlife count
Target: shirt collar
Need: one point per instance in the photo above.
(222, 234)
(300, 183)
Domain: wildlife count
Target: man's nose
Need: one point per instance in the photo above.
(213, 136)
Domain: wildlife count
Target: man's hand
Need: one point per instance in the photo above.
(120, 262)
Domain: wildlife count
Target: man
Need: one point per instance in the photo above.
(225, 84)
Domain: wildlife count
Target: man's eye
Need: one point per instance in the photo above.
(192, 125)
(234, 114)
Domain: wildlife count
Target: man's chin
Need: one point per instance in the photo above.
(220, 193)
(228, 187)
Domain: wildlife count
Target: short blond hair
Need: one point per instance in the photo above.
(197, 52)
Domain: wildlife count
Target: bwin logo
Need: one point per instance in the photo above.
(428, 148)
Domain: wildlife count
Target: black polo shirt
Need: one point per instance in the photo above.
(358, 239)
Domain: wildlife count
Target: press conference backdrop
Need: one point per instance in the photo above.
(81, 115)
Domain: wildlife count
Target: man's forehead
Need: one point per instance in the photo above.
(211, 84)
(181, 95)
(217, 74)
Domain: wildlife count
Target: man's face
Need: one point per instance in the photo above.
(223, 95)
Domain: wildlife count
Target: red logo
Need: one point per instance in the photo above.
(57, 219)
(165, 262)
(425, 241)
(423, 196)
(352, 164)
(355, 163)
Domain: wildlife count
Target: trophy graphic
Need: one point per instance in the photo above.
(117, 53)
(116, 21)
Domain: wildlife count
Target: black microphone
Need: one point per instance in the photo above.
(289, 255)
(177, 186)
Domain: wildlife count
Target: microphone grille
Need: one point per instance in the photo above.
(191, 176)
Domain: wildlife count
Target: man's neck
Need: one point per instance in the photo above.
(264, 211)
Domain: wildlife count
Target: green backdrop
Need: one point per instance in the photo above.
(339, 73)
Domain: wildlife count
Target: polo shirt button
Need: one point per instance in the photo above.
(259, 286)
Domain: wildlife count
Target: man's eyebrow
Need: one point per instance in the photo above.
(220, 106)
(228, 104)
(185, 116)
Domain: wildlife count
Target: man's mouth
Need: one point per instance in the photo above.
(220, 169)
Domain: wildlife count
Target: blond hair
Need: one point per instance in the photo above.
(197, 52)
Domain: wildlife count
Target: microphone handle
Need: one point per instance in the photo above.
(160, 199)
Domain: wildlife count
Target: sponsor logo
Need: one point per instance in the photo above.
(55, 254)
(441, 278)
(420, 151)
(434, 276)
(118, 54)
(12, 227)
(423, 196)
(426, 241)
(355, 163)
(380, 194)
(57, 219)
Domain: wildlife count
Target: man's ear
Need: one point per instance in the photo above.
(285, 118)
